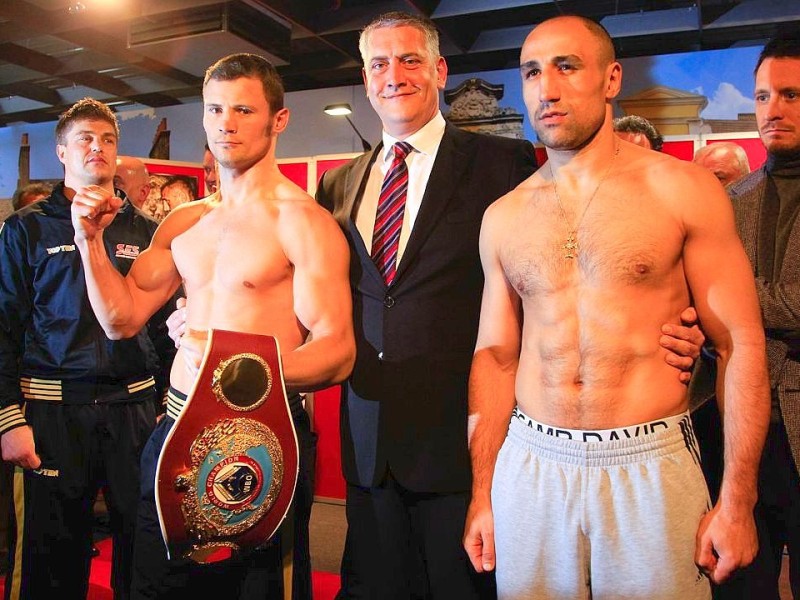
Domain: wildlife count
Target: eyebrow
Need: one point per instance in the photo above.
(573, 58)
(400, 56)
(233, 106)
(106, 134)
(783, 90)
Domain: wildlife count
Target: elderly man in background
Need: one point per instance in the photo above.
(727, 160)
(133, 179)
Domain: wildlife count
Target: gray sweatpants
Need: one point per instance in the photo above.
(612, 519)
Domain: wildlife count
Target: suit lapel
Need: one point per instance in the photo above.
(355, 183)
(354, 189)
(450, 163)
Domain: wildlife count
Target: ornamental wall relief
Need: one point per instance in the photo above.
(474, 106)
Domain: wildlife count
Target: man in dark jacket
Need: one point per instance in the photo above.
(75, 407)
(404, 410)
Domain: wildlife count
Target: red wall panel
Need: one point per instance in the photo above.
(296, 171)
(329, 480)
(683, 149)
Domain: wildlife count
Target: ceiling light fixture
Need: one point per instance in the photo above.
(343, 109)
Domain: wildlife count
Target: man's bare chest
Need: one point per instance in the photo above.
(614, 245)
(234, 254)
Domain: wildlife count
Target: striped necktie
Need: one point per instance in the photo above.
(389, 217)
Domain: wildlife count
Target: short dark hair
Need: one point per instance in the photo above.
(35, 188)
(244, 64)
(637, 124)
(85, 109)
(785, 45)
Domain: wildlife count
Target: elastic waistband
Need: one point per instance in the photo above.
(605, 446)
(106, 391)
(176, 401)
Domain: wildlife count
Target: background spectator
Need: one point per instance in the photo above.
(639, 131)
(209, 171)
(727, 160)
(30, 193)
(155, 205)
(178, 190)
(132, 178)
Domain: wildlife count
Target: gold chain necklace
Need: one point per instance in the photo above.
(571, 245)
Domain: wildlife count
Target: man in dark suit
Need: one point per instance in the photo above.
(404, 410)
(766, 204)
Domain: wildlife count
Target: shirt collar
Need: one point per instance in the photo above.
(425, 140)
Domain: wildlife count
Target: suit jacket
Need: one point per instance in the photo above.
(780, 307)
(405, 404)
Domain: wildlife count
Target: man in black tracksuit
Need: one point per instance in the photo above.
(75, 407)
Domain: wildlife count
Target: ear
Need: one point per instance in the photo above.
(281, 120)
(61, 151)
(614, 80)
(441, 72)
(364, 79)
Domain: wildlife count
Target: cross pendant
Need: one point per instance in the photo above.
(571, 246)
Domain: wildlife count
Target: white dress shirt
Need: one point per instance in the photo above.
(420, 163)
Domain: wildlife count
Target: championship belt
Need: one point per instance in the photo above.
(228, 469)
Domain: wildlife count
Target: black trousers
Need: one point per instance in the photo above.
(707, 426)
(777, 514)
(404, 545)
(84, 448)
(256, 575)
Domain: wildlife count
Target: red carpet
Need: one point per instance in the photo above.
(325, 584)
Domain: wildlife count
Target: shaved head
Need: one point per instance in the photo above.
(606, 53)
(133, 179)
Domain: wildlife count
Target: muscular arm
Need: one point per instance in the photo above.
(491, 390)
(122, 304)
(727, 304)
(316, 247)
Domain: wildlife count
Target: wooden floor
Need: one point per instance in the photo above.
(785, 590)
(327, 531)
